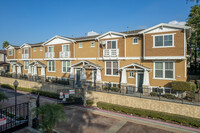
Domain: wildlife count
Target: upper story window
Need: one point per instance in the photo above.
(111, 44)
(112, 68)
(135, 40)
(25, 51)
(20, 50)
(80, 45)
(92, 44)
(164, 70)
(41, 48)
(50, 49)
(164, 40)
(65, 66)
(10, 52)
(26, 63)
(34, 49)
(51, 66)
(65, 48)
(131, 74)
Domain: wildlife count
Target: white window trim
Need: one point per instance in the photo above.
(164, 70)
(91, 44)
(163, 41)
(65, 45)
(54, 66)
(112, 40)
(41, 48)
(129, 74)
(26, 49)
(20, 50)
(66, 67)
(34, 49)
(25, 65)
(137, 40)
(79, 45)
(112, 69)
(9, 52)
(50, 46)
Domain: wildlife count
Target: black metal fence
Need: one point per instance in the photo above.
(14, 118)
(160, 94)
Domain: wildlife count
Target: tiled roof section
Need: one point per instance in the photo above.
(15, 46)
(2, 51)
(35, 44)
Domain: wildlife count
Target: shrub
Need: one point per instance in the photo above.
(64, 82)
(90, 102)
(169, 96)
(153, 94)
(8, 75)
(182, 86)
(105, 88)
(7, 86)
(115, 89)
(189, 121)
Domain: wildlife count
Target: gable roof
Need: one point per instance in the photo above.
(87, 63)
(12, 46)
(136, 65)
(111, 32)
(60, 37)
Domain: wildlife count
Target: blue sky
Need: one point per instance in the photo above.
(32, 21)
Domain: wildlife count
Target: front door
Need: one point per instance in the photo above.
(78, 76)
(140, 81)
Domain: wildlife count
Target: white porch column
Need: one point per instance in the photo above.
(14, 68)
(72, 73)
(43, 71)
(19, 70)
(146, 78)
(83, 74)
(98, 78)
(35, 70)
(29, 69)
(123, 77)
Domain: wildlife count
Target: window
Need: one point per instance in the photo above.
(112, 68)
(80, 45)
(111, 44)
(51, 66)
(131, 74)
(65, 48)
(135, 40)
(92, 44)
(65, 66)
(26, 63)
(50, 49)
(25, 51)
(164, 70)
(10, 52)
(41, 49)
(163, 41)
(34, 49)
(20, 50)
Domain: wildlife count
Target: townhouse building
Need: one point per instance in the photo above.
(140, 58)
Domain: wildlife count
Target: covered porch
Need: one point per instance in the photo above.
(37, 68)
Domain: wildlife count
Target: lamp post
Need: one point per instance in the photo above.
(15, 85)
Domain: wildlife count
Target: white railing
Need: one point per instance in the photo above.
(110, 52)
(25, 56)
(65, 54)
(49, 55)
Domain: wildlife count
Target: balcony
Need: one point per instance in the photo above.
(110, 52)
(25, 56)
(49, 55)
(65, 54)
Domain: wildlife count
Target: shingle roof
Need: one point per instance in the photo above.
(132, 31)
(3, 51)
(35, 44)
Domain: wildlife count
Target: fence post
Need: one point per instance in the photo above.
(182, 98)
(32, 105)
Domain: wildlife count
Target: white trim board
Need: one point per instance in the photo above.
(164, 58)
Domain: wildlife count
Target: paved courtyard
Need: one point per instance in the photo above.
(86, 120)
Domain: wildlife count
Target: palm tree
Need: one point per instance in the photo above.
(49, 115)
(5, 44)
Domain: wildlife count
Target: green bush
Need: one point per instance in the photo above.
(7, 86)
(183, 86)
(169, 96)
(115, 89)
(106, 88)
(8, 75)
(90, 102)
(153, 94)
(64, 82)
(189, 121)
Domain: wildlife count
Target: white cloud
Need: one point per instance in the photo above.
(177, 22)
(92, 33)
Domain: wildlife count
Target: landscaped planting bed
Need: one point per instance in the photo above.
(179, 119)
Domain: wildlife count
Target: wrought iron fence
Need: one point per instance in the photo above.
(14, 117)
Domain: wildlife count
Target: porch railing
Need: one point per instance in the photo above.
(110, 52)
(49, 55)
(65, 54)
(25, 56)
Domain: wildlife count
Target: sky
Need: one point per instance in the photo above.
(33, 21)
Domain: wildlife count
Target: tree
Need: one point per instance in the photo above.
(5, 44)
(49, 115)
(197, 1)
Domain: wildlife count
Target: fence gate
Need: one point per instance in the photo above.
(69, 97)
(14, 118)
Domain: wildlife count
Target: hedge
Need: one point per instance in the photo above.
(32, 91)
(183, 86)
(188, 121)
